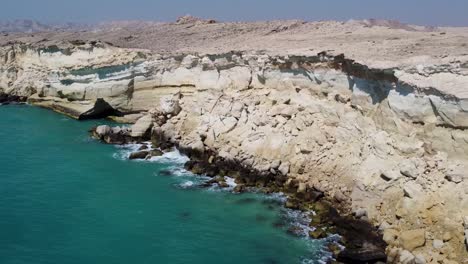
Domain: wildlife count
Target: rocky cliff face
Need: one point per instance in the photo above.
(389, 141)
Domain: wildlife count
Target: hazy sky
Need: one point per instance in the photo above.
(427, 12)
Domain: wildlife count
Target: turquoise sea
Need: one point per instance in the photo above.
(66, 198)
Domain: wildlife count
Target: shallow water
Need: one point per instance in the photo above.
(65, 198)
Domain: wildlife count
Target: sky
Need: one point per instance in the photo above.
(421, 12)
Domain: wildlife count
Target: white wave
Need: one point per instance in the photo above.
(300, 220)
(174, 157)
(124, 151)
(171, 157)
(179, 172)
(187, 184)
(230, 181)
(279, 196)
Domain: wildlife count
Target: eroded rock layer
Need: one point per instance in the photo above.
(389, 143)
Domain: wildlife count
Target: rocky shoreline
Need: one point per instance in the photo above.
(362, 241)
(371, 118)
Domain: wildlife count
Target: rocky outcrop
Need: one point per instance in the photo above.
(188, 19)
(389, 141)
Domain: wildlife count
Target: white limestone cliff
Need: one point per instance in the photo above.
(391, 141)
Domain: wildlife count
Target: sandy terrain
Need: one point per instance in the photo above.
(370, 43)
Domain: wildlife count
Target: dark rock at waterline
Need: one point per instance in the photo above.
(143, 147)
(165, 173)
(295, 231)
(207, 184)
(194, 166)
(362, 255)
(117, 139)
(293, 204)
(245, 201)
(362, 242)
(273, 202)
(239, 188)
(185, 215)
(223, 184)
(279, 223)
(270, 261)
(202, 167)
(306, 195)
(139, 155)
(156, 153)
(112, 135)
(10, 99)
(318, 233)
(261, 218)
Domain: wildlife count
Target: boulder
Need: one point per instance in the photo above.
(340, 197)
(359, 213)
(406, 257)
(117, 136)
(384, 226)
(111, 135)
(169, 105)
(437, 244)
(412, 239)
(239, 188)
(412, 190)
(197, 145)
(139, 155)
(284, 168)
(103, 130)
(408, 168)
(419, 259)
(143, 147)
(318, 233)
(390, 175)
(302, 187)
(390, 236)
(447, 236)
(455, 176)
(142, 126)
(156, 153)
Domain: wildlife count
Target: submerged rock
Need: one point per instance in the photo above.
(156, 153)
(139, 155)
(143, 147)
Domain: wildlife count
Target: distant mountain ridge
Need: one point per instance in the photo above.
(31, 26)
